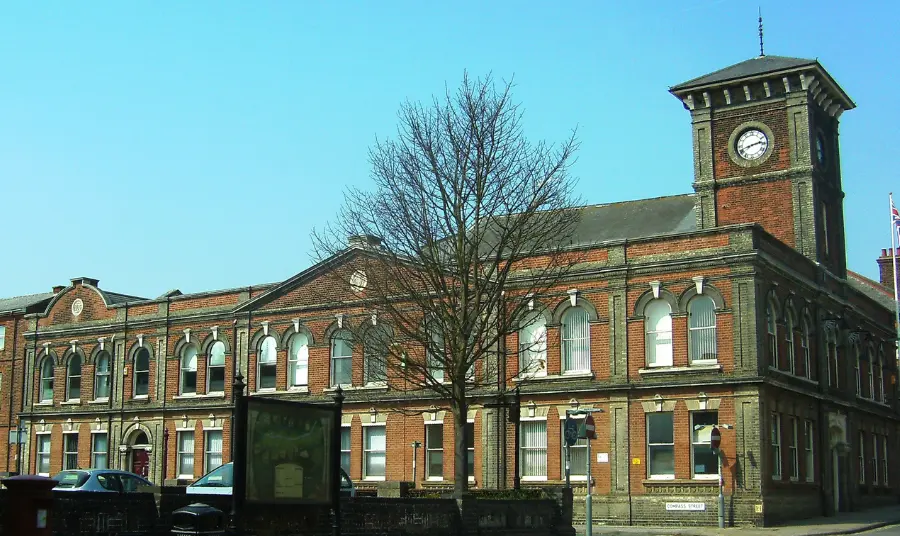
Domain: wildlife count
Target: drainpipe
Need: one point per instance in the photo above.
(165, 371)
(37, 329)
(12, 378)
(234, 352)
(122, 398)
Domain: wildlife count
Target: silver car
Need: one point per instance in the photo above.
(220, 481)
(103, 480)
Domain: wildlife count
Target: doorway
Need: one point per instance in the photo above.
(140, 454)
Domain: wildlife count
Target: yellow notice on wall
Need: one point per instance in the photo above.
(635, 461)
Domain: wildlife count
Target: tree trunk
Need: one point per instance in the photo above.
(461, 453)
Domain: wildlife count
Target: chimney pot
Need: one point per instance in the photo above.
(883, 252)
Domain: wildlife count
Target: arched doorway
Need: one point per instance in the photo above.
(139, 453)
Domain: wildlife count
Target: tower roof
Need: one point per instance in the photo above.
(748, 68)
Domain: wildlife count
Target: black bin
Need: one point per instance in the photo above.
(198, 519)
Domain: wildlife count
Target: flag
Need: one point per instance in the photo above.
(895, 218)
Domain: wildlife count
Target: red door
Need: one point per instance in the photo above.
(140, 462)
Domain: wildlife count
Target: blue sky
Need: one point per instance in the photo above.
(195, 145)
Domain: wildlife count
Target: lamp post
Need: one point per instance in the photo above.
(239, 454)
(165, 453)
(715, 444)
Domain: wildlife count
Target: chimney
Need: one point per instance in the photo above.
(365, 241)
(85, 281)
(886, 268)
(58, 288)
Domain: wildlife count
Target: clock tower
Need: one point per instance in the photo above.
(765, 137)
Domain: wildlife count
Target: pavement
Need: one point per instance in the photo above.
(844, 523)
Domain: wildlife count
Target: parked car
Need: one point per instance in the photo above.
(220, 481)
(104, 480)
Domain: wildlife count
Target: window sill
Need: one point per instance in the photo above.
(48, 403)
(792, 375)
(185, 397)
(680, 481)
(375, 385)
(298, 389)
(73, 402)
(373, 479)
(371, 387)
(99, 401)
(533, 479)
(435, 479)
(695, 369)
(565, 376)
(343, 386)
(218, 394)
(281, 392)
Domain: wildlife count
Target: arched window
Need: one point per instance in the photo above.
(702, 329)
(142, 372)
(374, 357)
(47, 379)
(73, 378)
(871, 372)
(188, 383)
(576, 341)
(215, 368)
(879, 377)
(831, 359)
(771, 331)
(857, 357)
(298, 361)
(789, 326)
(658, 329)
(533, 345)
(433, 362)
(804, 347)
(101, 376)
(267, 359)
(341, 358)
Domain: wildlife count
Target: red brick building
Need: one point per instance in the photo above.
(732, 305)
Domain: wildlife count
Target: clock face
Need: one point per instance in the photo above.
(752, 144)
(820, 149)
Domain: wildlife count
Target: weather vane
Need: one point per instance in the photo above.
(761, 53)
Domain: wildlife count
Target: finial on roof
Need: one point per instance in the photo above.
(761, 52)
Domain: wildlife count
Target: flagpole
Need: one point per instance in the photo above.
(894, 229)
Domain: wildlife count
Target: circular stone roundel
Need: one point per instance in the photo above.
(77, 306)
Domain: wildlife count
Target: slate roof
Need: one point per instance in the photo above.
(751, 67)
(635, 219)
(872, 289)
(22, 303)
(114, 298)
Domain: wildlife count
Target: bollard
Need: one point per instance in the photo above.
(30, 505)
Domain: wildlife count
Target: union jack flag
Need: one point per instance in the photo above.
(895, 218)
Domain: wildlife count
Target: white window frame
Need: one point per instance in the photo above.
(181, 454)
(70, 376)
(772, 332)
(430, 448)
(775, 440)
(789, 340)
(580, 445)
(210, 366)
(871, 372)
(809, 450)
(298, 361)
(652, 336)
(862, 457)
(95, 453)
(533, 346)
(572, 342)
(138, 373)
(44, 378)
(42, 460)
(875, 468)
(271, 361)
(523, 449)
(694, 475)
(367, 428)
(349, 449)
(648, 445)
(831, 358)
(370, 359)
(334, 359)
(101, 377)
(804, 344)
(68, 452)
(2, 337)
(433, 364)
(858, 369)
(471, 450)
(794, 451)
(880, 378)
(884, 459)
(185, 369)
(700, 331)
(208, 452)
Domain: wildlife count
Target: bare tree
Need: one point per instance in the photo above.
(467, 223)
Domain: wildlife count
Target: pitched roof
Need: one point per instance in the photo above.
(22, 303)
(114, 298)
(751, 67)
(872, 289)
(636, 219)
